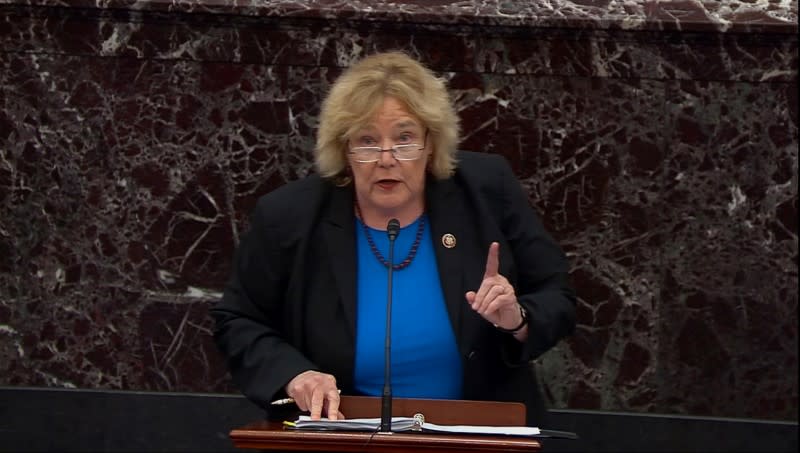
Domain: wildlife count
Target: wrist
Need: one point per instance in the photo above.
(523, 322)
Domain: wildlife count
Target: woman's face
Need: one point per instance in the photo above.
(390, 187)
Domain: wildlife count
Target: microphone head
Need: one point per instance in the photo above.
(393, 229)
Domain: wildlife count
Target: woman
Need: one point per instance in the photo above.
(479, 288)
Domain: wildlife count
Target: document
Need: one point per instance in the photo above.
(401, 424)
(481, 429)
(353, 424)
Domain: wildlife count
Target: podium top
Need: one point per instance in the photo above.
(271, 435)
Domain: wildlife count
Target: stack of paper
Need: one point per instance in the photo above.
(400, 424)
(354, 424)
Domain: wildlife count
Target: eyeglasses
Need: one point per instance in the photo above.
(406, 151)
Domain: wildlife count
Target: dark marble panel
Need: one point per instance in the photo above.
(125, 190)
(133, 145)
(729, 295)
(688, 272)
(597, 178)
(702, 15)
(463, 48)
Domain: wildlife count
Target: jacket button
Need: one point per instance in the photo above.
(471, 355)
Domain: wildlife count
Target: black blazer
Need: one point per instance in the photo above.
(290, 303)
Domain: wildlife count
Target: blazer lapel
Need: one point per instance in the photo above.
(449, 218)
(339, 231)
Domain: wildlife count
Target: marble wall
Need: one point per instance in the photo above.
(657, 139)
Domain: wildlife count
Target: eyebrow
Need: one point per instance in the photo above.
(369, 129)
(405, 124)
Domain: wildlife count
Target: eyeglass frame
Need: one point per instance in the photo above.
(393, 149)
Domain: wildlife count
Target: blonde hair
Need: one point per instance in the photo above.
(359, 92)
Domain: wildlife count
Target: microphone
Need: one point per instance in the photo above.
(392, 230)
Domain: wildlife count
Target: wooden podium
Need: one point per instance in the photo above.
(272, 436)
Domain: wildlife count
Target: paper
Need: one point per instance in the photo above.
(400, 424)
(355, 424)
(481, 429)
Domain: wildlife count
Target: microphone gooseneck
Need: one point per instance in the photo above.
(392, 230)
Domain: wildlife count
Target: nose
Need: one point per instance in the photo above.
(386, 158)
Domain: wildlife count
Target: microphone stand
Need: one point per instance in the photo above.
(392, 230)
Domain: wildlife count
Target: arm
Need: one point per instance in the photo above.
(542, 282)
(250, 321)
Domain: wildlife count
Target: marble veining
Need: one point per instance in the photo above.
(657, 139)
(684, 15)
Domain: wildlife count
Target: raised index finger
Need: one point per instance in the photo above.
(492, 260)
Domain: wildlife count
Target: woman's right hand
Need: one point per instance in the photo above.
(316, 393)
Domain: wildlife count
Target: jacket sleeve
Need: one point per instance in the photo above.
(250, 320)
(542, 273)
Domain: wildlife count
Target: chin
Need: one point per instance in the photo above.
(388, 203)
(387, 198)
(388, 207)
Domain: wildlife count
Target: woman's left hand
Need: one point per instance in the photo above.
(495, 300)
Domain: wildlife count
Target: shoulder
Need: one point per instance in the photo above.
(293, 201)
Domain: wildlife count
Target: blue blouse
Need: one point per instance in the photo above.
(425, 359)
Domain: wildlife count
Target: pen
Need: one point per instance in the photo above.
(284, 401)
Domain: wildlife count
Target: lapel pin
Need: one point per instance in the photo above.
(448, 240)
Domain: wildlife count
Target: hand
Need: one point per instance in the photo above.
(495, 300)
(317, 393)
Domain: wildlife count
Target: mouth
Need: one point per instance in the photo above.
(387, 184)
